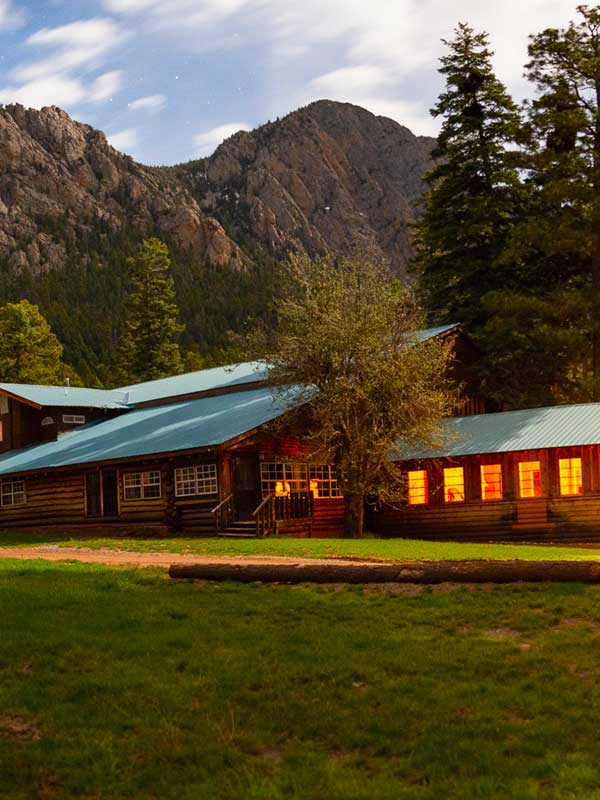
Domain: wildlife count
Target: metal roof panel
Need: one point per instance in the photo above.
(205, 422)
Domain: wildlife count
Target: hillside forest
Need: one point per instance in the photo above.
(505, 240)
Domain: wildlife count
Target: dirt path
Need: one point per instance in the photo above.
(127, 558)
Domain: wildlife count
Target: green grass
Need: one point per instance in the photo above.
(383, 549)
(140, 687)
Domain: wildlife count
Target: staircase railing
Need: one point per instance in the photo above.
(223, 513)
(265, 516)
(280, 508)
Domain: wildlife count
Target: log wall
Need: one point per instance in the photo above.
(551, 517)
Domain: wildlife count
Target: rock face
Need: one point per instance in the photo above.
(330, 176)
(61, 181)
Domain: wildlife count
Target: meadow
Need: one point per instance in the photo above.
(119, 683)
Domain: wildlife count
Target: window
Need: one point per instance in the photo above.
(418, 493)
(199, 479)
(281, 479)
(3, 404)
(138, 485)
(491, 482)
(13, 493)
(530, 483)
(73, 419)
(570, 475)
(454, 484)
(323, 482)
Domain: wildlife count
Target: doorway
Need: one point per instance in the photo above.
(102, 493)
(246, 486)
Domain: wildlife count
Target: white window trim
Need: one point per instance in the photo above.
(12, 493)
(143, 485)
(202, 481)
(73, 419)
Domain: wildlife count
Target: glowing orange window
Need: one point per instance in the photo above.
(491, 481)
(570, 475)
(417, 487)
(530, 479)
(454, 484)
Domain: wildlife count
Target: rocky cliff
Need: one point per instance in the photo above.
(331, 176)
(61, 180)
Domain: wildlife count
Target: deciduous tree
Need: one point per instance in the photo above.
(346, 332)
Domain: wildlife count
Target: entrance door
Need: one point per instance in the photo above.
(246, 486)
(101, 492)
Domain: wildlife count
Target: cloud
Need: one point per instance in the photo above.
(75, 49)
(125, 140)
(152, 102)
(55, 90)
(10, 17)
(105, 86)
(206, 142)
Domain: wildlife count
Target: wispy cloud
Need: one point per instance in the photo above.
(206, 142)
(10, 17)
(125, 140)
(152, 102)
(75, 49)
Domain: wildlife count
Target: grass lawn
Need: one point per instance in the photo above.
(122, 684)
(382, 549)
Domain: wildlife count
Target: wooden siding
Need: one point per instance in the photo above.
(53, 499)
(551, 517)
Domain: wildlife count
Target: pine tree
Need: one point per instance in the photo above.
(474, 188)
(565, 154)
(29, 350)
(149, 347)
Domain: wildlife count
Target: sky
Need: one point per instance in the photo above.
(168, 80)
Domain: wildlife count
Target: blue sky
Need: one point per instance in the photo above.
(167, 80)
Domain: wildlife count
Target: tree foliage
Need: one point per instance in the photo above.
(29, 350)
(474, 187)
(346, 331)
(149, 347)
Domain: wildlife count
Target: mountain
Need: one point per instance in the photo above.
(330, 176)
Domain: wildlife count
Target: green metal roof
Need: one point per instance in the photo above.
(201, 381)
(431, 333)
(529, 429)
(205, 422)
(68, 396)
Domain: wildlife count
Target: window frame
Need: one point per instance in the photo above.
(12, 493)
(327, 488)
(73, 419)
(499, 483)
(520, 473)
(448, 486)
(424, 487)
(203, 480)
(144, 485)
(283, 472)
(570, 475)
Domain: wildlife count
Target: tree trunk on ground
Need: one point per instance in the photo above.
(409, 572)
(354, 515)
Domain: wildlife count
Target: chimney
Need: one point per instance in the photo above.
(67, 385)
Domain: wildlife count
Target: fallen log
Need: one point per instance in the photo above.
(407, 572)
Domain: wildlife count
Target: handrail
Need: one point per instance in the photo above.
(221, 504)
(264, 503)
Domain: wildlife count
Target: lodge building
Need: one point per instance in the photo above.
(198, 454)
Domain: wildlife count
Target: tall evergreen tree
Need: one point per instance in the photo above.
(474, 187)
(29, 350)
(149, 347)
(565, 152)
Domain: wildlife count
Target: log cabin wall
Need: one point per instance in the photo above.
(53, 499)
(549, 517)
(23, 425)
(328, 511)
